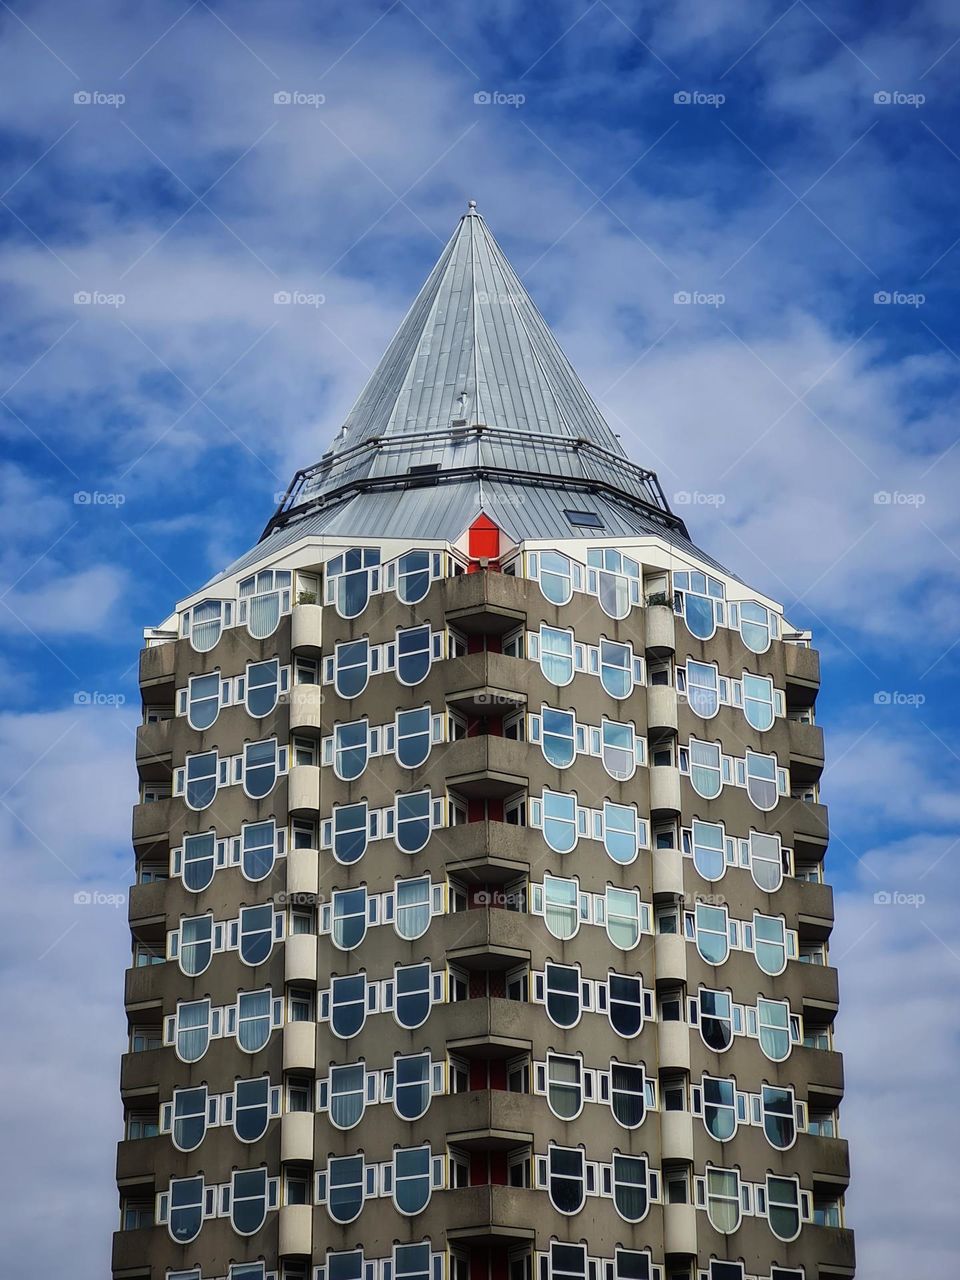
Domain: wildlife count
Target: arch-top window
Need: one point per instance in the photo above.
(411, 1179)
(723, 1199)
(770, 943)
(203, 700)
(566, 1178)
(615, 578)
(192, 1030)
(347, 1094)
(562, 994)
(616, 668)
(412, 984)
(618, 749)
(623, 917)
(709, 849)
(198, 860)
(205, 622)
(627, 1094)
(783, 1207)
(189, 1117)
(263, 686)
(716, 1019)
(705, 768)
(779, 1116)
(698, 598)
(258, 849)
(349, 918)
(556, 655)
(411, 1088)
(351, 667)
(196, 944)
(559, 821)
(762, 780)
(561, 900)
(712, 933)
(773, 1025)
(558, 738)
(201, 780)
(351, 578)
(413, 576)
(350, 831)
(186, 1209)
(413, 820)
(556, 577)
(264, 596)
(251, 1108)
(414, 650)
(350, 749)
(564, 1086)
(620, 832)
(703, 689)
(766, 861)
(719, 1108)
(413, 737)
(758, 701)
(260, 766)
(757, 625)
(348, 1004)
(625, 1004)
(413, 907)
(256, 933)
(631, 1187)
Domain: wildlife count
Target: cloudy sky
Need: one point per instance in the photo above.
(790, 168)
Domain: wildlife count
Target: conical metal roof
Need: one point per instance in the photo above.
(474, 386)
(473, 348)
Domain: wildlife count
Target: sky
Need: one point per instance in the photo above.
(740, 220)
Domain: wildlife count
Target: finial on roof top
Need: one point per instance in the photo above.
(471, 206)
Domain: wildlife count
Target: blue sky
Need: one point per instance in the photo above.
(777, 190)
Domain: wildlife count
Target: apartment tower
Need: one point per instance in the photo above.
(480, 929)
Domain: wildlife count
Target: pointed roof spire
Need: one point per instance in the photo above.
(474, 349)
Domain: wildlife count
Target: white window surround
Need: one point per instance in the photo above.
(230, 935)
(232, 691)
(590, 995)
(709, 771)
(351, 828)
(714, 852)
(748, 1108)
(355, 574)
(409, 994)
(354, 743)
(749, 1200)
(596, 1178)
(379, 1087)
(220, 1110)
(203, 854)
(572, 1262)
(376, 1180)
(418, 1261)
(397, 656)
(562, 738)
(246, 1019)
(709, 926)
(370, 910)
(559, 653)
(614, 579)
(594, 1084)
(564, 822)
(706, 691)
(700, 599)
(204, 773)
(603, 909)
(772, 1022)
(214, 1201)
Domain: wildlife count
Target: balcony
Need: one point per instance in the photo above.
(806, 752)
(303, 789)
(661, 710)
(676, 1135)
(803, 674)
(138, 1158)
(828, 1158)
(491, 852)
(670, 958)
(667, 873)
(487, 768)
(487, 938)
(154, 753)
(835, 1243)
(811, 828)
(680, 1229)
(482, 685)
(303, 871)
(152, 821)
(673, 1041)
(487, 603)
(300, 1046)
(487, 1120)
(296, 1136)
(821, 988)
(306, 628)
(295, 1229)
(664, 790)
(306, 706)
(477, 1214)
(130, 1248)
(157, 668)
(661, 630)
(147, 902)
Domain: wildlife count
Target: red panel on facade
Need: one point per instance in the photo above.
(484, 539)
